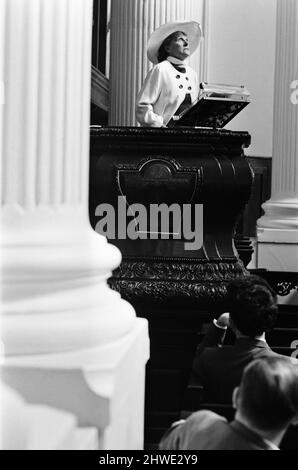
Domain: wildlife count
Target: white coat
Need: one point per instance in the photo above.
(163, 92)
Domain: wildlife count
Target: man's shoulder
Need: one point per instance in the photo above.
(184, 435)
(211, 352)
(202, 421)
(222, 354)
(200, 428)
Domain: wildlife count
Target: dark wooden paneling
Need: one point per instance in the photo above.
(99, 83)
(99, 89)
(98, 116)
(99, 98)
(261, 192)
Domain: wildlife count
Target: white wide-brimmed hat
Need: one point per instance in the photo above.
(191, 28)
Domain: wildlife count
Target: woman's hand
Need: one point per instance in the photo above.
(224, 320)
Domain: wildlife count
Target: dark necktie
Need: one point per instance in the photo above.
(180, 68)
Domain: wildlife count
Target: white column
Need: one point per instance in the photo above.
(58, 312)
(39, 427)
(277, 230)
(132, 22)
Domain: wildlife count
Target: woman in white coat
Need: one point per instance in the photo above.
(171, 85)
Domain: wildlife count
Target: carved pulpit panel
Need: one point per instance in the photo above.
(180, 168)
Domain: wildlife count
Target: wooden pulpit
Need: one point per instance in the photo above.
(182, 166)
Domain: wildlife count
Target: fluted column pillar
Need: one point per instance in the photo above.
(58, 312)
(132, 22)
(277, 229)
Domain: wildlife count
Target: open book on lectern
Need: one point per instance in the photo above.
(216, 105)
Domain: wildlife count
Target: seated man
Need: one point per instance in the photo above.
(266, 404)
(253, 311)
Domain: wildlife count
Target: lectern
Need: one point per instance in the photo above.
(182, 166)
(176, 289)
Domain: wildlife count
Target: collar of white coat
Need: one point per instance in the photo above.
(175, 61)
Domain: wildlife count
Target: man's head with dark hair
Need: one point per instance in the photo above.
(252, 304)
(267, 399)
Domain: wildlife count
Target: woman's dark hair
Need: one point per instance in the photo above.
(162, 53)
(252, 304)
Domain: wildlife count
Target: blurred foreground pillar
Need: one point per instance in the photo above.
(70, 341)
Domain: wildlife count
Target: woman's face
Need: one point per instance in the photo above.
(178, 46)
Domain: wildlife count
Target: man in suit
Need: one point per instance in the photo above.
(252, 312)
(266, 405)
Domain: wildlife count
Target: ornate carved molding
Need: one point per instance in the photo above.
(158, 178)
(178, 270)
(281, 281)
(165, 135)
(284, 287)
(152, 282)
(169, 292)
